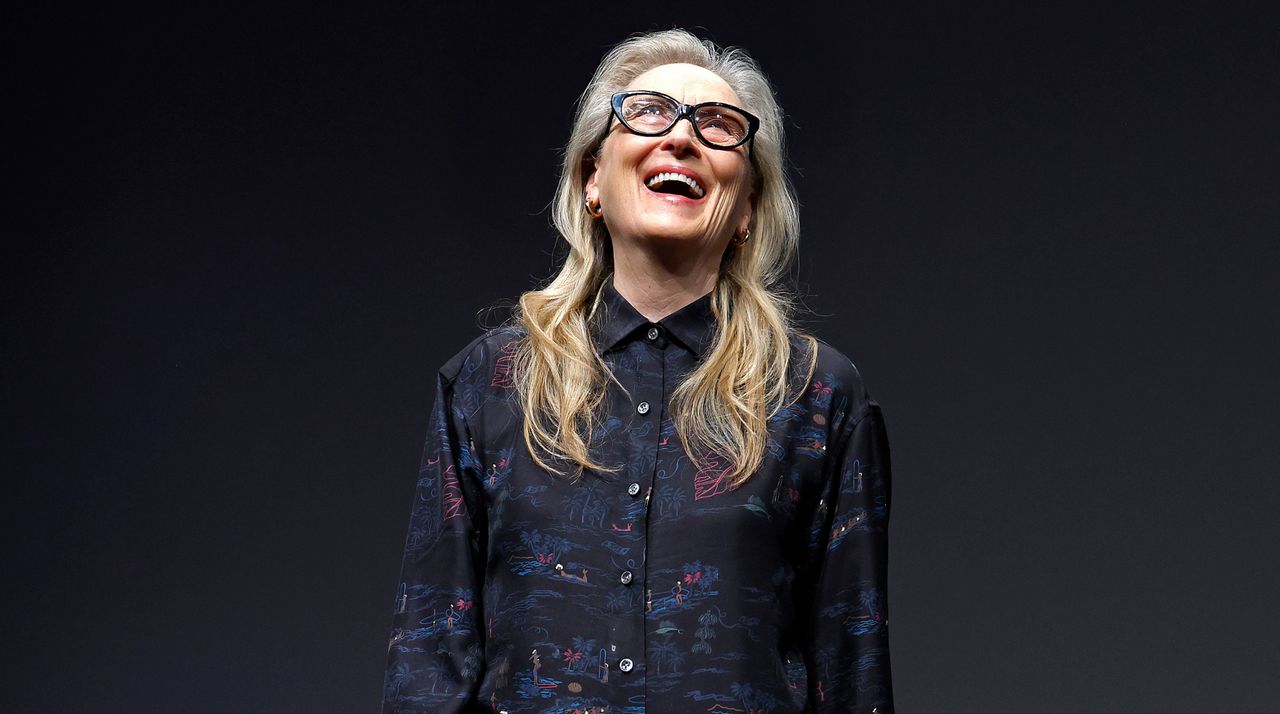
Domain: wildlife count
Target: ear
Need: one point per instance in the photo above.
(746, 215)
(590, 188)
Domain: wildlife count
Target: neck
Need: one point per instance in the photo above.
(657, 285)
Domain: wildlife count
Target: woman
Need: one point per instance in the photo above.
(651, 491)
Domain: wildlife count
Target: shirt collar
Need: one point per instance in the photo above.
(692, 325)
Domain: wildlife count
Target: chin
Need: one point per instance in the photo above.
(676, 230)
(672, 236)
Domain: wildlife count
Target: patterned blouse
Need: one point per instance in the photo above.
(657, 587)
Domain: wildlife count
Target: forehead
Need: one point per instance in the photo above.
(687, 82)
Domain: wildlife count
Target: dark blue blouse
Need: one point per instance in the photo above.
(657, 587)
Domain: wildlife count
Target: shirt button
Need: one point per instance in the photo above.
(653, 333)
(633, 489)
(626, 665)
(625, 578)
(643, 407)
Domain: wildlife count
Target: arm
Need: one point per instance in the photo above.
(846, 645)
(435, 655)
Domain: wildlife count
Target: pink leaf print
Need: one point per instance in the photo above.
(504, 367)
(711, 479)
(451, 494)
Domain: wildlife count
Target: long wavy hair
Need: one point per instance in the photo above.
(721, 411)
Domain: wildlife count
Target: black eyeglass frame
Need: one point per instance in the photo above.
(684, 111)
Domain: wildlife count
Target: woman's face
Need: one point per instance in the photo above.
(638, 208)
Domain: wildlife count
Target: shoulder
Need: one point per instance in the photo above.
(483, 361)
(835, 376)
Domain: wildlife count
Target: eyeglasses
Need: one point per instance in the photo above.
(716, 124)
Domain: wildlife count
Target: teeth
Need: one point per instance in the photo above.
(671, 176)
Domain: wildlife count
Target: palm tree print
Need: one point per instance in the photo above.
(663, 653)
(397, 677)
(705, 632)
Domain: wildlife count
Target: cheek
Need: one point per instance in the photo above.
(617, 160)
(612, 178)
(739, 190)
(735, 174)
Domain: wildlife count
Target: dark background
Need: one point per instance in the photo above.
(240, 241)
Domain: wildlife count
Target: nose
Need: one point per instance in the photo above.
(681, 140)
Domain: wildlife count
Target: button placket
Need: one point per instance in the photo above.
(628, 632)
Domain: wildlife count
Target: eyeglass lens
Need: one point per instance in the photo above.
(653, 114)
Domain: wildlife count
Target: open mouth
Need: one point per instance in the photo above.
(674, 183)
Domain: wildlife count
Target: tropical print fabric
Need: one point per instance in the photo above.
(655, 588)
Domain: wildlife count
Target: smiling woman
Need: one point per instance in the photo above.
(650, 489)
(670, 184)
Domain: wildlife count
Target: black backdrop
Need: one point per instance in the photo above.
(240, 240)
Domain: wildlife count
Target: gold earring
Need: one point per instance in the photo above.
(741, 240)
(593, 209)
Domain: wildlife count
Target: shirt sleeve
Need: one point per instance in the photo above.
(846, 641)
(435, 655)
